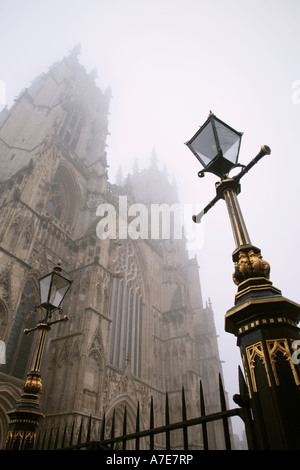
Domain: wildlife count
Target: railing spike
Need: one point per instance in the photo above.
(184, 416)
(151, 424)
(202, 400)
(225, 420)
(80, 432)
(203, 413)
(72, 434)
(242, 399)
(137, 427)
(102, 428)
(88, 434)
(183, 404)
(124, 428)
(62, 445)
(222, 394)
(167, 422)
(242, 383)
(56, 439)
(112, 432)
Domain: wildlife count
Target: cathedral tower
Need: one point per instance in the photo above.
(137, 324)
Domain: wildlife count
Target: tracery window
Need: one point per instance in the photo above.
(127, 316)
(19, 346)
(55, 202)
(71, 128)
(64, 198)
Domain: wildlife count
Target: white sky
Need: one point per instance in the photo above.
(168, 63)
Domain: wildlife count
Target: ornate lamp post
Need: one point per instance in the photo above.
(264, 322)
(25, 416)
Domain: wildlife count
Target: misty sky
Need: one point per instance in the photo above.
(168, 63)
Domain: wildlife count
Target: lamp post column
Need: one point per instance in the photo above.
(265, 324)
(25, 416)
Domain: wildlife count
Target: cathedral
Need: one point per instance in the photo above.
(138, 327)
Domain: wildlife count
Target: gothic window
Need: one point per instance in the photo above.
(55, 201)
(26, 239)
(3, 321)
(126, 332)
(64, 197)
(13, 236)
(71, 128)
(19, 346)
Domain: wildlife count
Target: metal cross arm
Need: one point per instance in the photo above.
(231, 183)
(46, 325)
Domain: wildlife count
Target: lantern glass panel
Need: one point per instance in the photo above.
(45, 284)
(229, 142)
(204, 145)
(59, 288)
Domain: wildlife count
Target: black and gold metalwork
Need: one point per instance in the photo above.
(26, 414)
(266, 326)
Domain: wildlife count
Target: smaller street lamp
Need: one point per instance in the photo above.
(53, 288)
(25, 416)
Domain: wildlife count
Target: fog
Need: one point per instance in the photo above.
(168, 63)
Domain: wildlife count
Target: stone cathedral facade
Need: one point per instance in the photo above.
(137, 325)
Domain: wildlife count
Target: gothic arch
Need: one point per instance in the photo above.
(117, 407)
(9, 394)
(65, 199)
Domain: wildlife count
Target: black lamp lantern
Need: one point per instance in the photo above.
(53, 288)
(216, 145)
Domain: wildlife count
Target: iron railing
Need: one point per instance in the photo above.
(145, 439)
